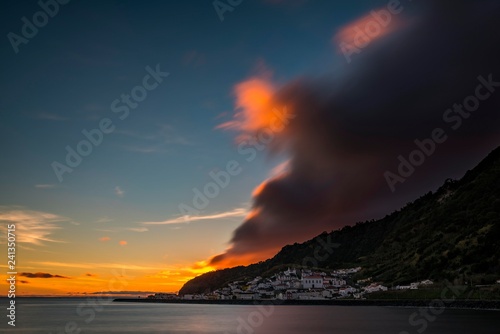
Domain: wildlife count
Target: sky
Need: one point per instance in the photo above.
(213, 135)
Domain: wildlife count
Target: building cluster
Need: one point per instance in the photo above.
(298, 284)
(413, 286)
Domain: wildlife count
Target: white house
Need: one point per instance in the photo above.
(291, 294)
(313, 295)
(374, 287)
(347, 291)
(264, 285)
(165, 296)
(338, 282)
(312, 282)
(247, 295)
(402, 287)
(281, 287)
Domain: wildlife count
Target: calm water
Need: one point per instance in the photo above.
(52, 315)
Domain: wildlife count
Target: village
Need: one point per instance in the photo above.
(297, 284)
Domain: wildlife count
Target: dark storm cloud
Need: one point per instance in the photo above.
(351, 128)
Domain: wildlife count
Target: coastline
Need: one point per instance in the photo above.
(457, 304)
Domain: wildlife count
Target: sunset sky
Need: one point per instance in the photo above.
(113, 223)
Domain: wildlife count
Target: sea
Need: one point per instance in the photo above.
(95, 315)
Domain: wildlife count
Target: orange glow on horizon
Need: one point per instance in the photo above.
(76, 280)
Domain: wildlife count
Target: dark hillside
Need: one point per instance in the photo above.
(452, 234)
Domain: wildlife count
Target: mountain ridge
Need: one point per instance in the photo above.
(451, 234)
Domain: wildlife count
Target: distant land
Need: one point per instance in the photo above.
(450, 236)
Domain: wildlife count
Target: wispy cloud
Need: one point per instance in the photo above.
(238, 212)
(93, 107)
(41, 275)
(33, 227)
(96, 265)
(52, 117)
(146, 149)
(45, 186)
(104, 220)
(103, 239)
(65, 265)
(348, 33)
(133, 292)
(137, 135)
(193, 58)
(159, 141)
(123, 243)
(281, 169)
(167, 133)
(288, 3)
(119, 192)
(104, 230)
(137, 229)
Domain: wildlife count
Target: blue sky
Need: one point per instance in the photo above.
(65, 78)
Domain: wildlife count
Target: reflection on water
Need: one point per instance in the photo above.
(71, 315)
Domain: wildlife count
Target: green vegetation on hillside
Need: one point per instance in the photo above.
(452, 234)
